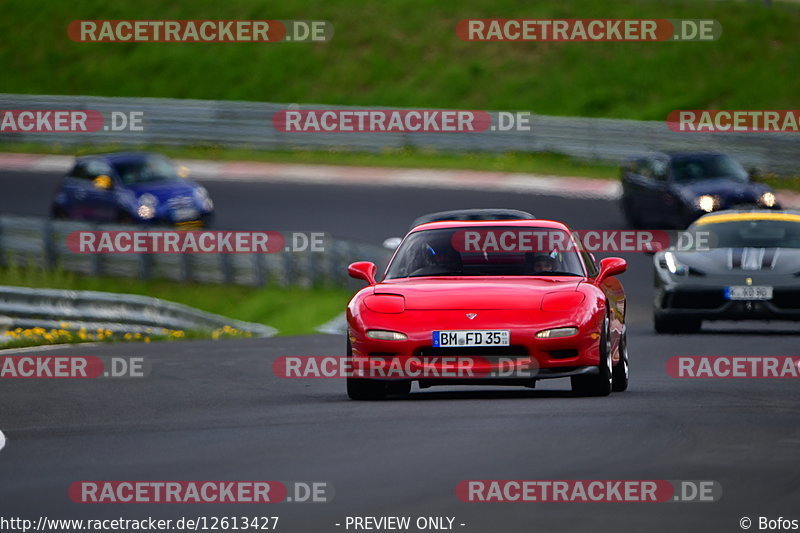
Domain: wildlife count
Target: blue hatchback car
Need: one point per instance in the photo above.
(132, 187)
(674, 189)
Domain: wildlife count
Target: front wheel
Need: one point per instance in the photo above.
(365, 389)
(597, 384)
(619, 376)
(633, 220)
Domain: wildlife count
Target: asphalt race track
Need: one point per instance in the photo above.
(215, 411)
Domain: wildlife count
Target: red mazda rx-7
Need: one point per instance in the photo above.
(488, 302)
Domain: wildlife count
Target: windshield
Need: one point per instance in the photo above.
(707, 167)
(495, 251)
(749, 234)
(146, 170)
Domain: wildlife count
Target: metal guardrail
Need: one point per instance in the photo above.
(249, 125)
(120, 313)
(42, 243)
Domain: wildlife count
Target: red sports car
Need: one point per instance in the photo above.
(489, 302)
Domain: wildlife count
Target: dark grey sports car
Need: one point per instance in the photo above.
(742, 265)
(674, 189)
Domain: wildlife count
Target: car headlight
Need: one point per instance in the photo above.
(708, 202)
(767, 199)
(673, 265)
(557, 333)
(147, 206)
(384, 335)
(202, 197)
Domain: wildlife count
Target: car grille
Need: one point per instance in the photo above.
(563, 354)
(478, 351)
(180, 201)
(711, 299)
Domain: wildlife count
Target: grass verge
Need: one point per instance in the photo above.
(406, 53)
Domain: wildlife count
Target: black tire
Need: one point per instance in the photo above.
(58, 213)
(619, 376)
(676, 325)
(365, 389)
(400, 387)
(597, 384)
(631, 217)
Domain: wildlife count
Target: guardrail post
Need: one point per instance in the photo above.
(259, 272)
(48, 245)
(96, 263)
(227, 268)
(289, 265)
(186, 267)
(3, 261)
(145, 266)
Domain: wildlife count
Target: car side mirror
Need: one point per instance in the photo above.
(363, 270)
(102, 182)
(611, 266)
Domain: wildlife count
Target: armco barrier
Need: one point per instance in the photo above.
(249, 125)
(41, 243)
(120, 313)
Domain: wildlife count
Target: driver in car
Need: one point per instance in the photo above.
(544, 263)
(436, 258)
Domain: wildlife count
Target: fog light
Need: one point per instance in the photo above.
(557, 333)
(384, 335)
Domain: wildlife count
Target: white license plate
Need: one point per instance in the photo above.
(184, 213)
(476, 337)
(748, 292)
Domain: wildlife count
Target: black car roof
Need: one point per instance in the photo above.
(473, 214)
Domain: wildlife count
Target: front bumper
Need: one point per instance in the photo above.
(709, 303)
(527, 358)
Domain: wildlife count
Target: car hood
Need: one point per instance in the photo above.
(473, 294)
(778, 261)
(726, 188)
(164, 190)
